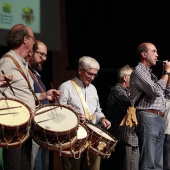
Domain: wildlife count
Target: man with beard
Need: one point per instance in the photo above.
(39, 155)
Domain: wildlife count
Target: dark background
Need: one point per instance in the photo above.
(110, 31)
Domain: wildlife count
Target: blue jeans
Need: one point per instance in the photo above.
(151, 133)
(39, 157)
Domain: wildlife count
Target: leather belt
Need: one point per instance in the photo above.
(157, 112)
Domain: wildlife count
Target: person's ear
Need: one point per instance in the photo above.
(30, 54)
(124, 77)
(143, 53)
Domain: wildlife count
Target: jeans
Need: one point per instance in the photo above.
(39, 157)
(151, 133)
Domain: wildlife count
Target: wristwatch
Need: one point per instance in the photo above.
(165, 72)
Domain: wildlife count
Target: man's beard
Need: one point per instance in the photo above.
(37, 67)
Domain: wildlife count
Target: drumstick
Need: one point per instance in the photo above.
(8, 82)
(46, 111)
(56, 97)
(45, 120)
(9, 108)
(8, 113)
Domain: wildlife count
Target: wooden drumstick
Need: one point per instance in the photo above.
(8, 82)
(56, 97)
(6, 108)
(8, 113)
(46, 110)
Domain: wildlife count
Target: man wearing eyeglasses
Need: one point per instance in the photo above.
(35, 59)
(88, 69)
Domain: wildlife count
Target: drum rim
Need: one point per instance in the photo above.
(59, 132)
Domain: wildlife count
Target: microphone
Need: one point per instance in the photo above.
(160, 61)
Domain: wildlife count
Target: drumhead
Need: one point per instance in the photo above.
(99, 131)
(56, 119)
(13, 112)
(81, 132)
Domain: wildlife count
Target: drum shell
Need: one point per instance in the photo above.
(95, 140)
(79, 147)
(15, 135)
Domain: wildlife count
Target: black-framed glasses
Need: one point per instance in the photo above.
(32, 37)
(90, 74)
(41, 54)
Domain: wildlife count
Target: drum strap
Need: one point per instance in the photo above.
(23, 74)
(35, 79)
(84, 104)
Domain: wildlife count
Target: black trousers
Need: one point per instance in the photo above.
(18, 158)
(166, 154)
(125, 157)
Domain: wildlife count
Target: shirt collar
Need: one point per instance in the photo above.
(21, 59)
(79, 82)
(143, 66)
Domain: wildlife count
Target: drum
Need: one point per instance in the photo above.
(80, 145)
(101, 142)
(55, 127)
(14, 122)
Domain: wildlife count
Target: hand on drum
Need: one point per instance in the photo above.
(51, 94)
(105, 123)
(82, 117)
(4, 79)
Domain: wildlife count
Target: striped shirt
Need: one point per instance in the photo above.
(117, 105)
(143, 80)
(69, 96)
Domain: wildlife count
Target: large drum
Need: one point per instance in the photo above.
(101, 142)
(55, 127)
(80, 145)
(14, 122)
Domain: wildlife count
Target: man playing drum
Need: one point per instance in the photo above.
(4, 80)
(39, 155)
(20, 40)
(83, 97)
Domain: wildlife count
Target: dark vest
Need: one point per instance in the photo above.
(36, 87)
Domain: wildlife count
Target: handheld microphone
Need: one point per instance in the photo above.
(160, 61)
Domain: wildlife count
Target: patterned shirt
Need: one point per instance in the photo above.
(69, 96)
(143, 80)
(117, 105)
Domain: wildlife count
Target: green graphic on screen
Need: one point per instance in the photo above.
(25, 12)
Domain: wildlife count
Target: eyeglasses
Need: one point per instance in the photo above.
(33, 38)
(41, 54)
(90, 74)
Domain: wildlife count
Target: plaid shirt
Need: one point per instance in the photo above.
(117, 104)
(143, 80)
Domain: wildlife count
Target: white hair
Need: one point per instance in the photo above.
(88, 62)
(125, 70)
